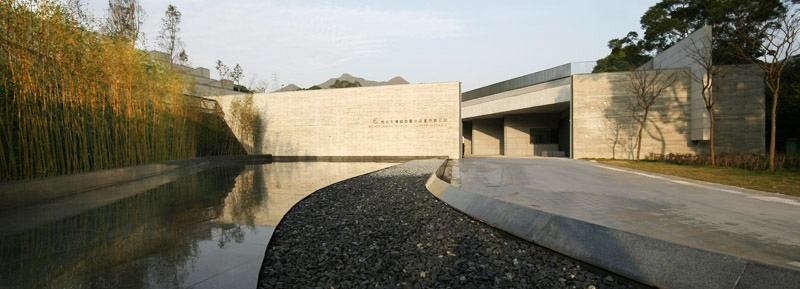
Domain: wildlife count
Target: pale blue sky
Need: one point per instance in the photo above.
(475, 42)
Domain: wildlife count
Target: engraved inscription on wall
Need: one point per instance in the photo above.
(408, 122)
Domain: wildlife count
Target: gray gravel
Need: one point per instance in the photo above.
(385, 230)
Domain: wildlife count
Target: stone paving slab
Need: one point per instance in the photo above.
(653, 228)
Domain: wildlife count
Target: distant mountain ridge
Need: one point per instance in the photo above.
(350, 78)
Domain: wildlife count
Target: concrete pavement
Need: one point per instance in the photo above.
(658, 227)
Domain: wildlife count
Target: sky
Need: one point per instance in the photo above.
(475, 42)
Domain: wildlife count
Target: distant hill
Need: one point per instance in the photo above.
(350, 78)
(290, 87)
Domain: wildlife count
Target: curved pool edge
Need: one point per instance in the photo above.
(23, 193)
(644, 259)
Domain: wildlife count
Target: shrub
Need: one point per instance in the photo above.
(753, 162)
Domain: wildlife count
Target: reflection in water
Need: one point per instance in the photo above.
(211, 227)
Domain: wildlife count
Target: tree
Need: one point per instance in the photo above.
(183, 58)
(124, 19)
(315, 87)
(788, 104)
(708, 69)
(626, 54)
(645, 88)
(776, 41)
(669, 21)
(168, 38)
(236, 74)
(344, 84)
(222, 69)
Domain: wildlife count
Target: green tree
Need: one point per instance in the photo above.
(169, 39)
(626, 54)
(236, 74)
(789, 104)
(344, 84)
(183, 57)
(222, 70)
(124, 19)
(777, 45)
(669, 21)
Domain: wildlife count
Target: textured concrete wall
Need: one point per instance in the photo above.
(740, 111)
(203, 90)
(395, 120)
(517, 130)
(681, 55)
(487, 136)
(603, 127)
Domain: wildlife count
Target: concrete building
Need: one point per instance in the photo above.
(569, 111)
(199, 79)
(409, 120)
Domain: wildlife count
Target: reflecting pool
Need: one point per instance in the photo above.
(198, 228)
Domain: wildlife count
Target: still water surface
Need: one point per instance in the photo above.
(204, 229)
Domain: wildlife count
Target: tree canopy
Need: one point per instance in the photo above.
(626, 53)
(344, 84)
(169, 39)
(124, 19)
(669, 21)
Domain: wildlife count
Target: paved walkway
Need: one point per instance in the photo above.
(745, 223)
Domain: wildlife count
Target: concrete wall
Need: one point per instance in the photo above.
(518, 137)
(603, 127)
(198, 79)
(740, 110)
(204, 90)
(487, 136)
(557, 91)
(682, 55)
(395, 120)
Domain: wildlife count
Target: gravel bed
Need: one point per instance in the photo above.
(385, 230)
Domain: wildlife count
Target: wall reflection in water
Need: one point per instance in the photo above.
(207, 229)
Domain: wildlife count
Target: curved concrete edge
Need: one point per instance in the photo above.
(27, 192)
(648, 260)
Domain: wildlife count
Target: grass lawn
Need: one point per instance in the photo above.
(782, 181)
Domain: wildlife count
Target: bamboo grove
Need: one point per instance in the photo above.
(75, 100)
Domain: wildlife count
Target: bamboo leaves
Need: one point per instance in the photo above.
(73, 100)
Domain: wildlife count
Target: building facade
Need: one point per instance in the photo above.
(408, 120)
(569, 111)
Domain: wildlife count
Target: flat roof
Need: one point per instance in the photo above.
(546, 75)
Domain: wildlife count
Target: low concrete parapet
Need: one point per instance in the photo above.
(648, 260)
(27, 192)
